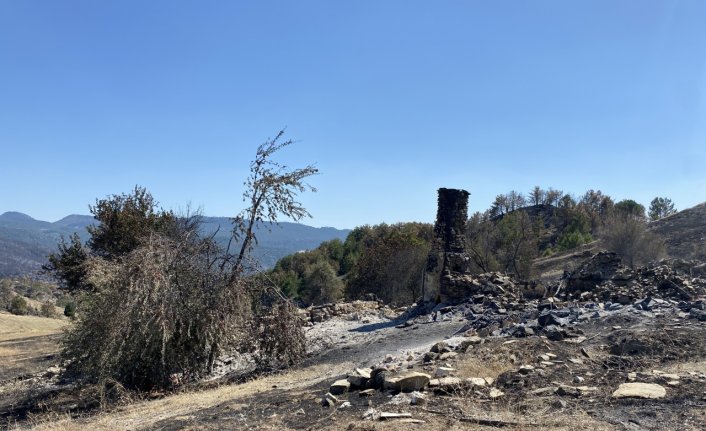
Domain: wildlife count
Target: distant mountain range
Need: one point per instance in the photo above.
(25, 242)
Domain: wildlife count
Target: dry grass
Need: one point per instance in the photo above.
(26, 344)
(8, 351)
(147, 413)
(37, 305)
(17, 327)
(471, 366)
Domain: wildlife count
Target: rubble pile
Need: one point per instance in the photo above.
(355, 310)
(398, 375)
(492, 284)
(604, 278)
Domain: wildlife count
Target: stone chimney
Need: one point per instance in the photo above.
(448, 254)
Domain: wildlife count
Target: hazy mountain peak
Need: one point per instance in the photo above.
(15, 216)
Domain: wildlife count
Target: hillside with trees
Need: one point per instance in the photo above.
(387, 261)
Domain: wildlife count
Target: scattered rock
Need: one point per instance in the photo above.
(53, 371)
(340, 387)
(407, 382)
(367, 393)
(329, 400)
(495, 393)
(440, 347)
(360, 377)
(640, 390)
(477, 381)
(444, 371)
(446, 384)
(430, 357)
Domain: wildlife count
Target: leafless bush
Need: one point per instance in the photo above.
(160, 310)
(280, 338)
(628, 236)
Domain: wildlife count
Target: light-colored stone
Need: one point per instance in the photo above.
(53, 371)
(477, 381)
(444, 371)
(495, 393)
(447, 355)
(340, 387)
(640, 390)
(445, 382)
(359, 377)
(407, 382)
(473, 340)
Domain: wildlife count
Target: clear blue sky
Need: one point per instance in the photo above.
(390, 99)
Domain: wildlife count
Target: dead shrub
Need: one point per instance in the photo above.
(163, 313)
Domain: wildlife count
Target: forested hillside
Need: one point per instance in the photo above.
(388, 260)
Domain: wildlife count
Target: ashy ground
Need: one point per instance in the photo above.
(560, 384)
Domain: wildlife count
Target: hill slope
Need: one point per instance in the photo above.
(684, 232)
(26, 242)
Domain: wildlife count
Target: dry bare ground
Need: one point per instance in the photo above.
(292, 400)
(27, 344)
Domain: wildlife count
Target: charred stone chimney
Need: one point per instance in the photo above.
(448, 254)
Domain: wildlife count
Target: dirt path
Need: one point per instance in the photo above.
(369, 343)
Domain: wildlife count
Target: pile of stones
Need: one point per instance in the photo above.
(492, 284)
(354, 310)
(438, 376)
(604, 278)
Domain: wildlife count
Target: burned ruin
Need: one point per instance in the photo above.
(448, 257)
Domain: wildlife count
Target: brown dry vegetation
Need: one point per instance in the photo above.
(19, 327)
(28, 344)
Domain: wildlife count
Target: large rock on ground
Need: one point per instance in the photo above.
(407, 382)
(640, 390)
(340, 387)
(360, 377)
